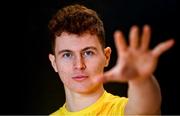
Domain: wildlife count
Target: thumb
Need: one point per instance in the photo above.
(98, 78)
(108, 77)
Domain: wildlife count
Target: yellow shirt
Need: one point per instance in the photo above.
(106, 105)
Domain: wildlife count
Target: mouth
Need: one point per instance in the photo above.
(79, 78)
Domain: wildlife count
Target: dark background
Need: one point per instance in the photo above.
(30, 86)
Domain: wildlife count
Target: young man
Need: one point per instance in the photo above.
(79, 56)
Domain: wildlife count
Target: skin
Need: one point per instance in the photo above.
(135, 65)
(80, 56)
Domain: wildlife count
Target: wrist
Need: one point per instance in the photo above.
(140, 81)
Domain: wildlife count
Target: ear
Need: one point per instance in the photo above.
(107, 53)
(53, 62)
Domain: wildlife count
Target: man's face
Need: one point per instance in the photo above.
(78, 60)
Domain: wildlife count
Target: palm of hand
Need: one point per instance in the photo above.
(135, 61)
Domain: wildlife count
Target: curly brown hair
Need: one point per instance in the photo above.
(76, 19)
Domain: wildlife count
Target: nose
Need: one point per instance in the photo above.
(79, 63)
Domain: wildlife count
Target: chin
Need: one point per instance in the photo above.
(86, 89)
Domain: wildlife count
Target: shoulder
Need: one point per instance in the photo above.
(115, 104)
(58, 112)
(115, 98)
(115, 101)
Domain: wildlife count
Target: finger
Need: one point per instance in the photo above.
(108, 76)
(134, 37)
(120, 42)
(98, 78)
(112, 76)
(145, 38)
(162, 47)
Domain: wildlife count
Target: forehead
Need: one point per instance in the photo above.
(76, 42)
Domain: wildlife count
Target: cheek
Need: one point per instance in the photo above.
(64, 70)
(97, 66)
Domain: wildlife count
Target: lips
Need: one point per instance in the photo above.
(79, 78)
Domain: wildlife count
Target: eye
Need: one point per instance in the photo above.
(88, 53)
(67, 55)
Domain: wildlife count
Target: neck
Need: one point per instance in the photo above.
(78, 101)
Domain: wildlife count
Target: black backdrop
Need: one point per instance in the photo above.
(32, 87)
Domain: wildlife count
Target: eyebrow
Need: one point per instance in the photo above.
(84, 49)
(91, 47)
(62, 51)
